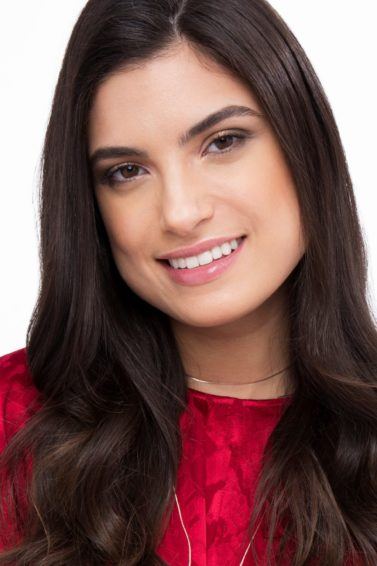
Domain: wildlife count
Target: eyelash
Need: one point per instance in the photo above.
(108, 176)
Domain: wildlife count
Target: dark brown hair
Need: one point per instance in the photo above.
(106, 444)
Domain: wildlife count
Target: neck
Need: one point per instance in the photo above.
(233, 356)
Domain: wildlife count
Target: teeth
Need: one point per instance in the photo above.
(217, 252)
(226, 248)
(206, 257)
(192, 262)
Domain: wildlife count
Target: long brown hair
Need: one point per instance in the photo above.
(105, 444)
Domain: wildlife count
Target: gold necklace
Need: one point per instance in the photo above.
(238, 384)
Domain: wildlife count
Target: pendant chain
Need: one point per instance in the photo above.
(188, 538)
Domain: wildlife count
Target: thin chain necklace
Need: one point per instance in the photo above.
(238, 384)
(188, 538)
(175, 493)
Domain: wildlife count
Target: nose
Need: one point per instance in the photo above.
(185, 202)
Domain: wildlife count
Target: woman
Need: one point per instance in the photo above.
(199, 380)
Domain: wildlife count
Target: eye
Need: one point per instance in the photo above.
(224, 139)
(110, 175)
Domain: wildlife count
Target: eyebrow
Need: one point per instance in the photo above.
(198, 128)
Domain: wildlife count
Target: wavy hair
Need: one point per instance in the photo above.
(105, 444)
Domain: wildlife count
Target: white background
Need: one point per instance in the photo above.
(338, 37)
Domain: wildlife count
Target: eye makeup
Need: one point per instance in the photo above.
(108, 177)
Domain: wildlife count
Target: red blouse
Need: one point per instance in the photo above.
(223, 441)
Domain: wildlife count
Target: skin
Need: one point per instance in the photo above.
(234, 329)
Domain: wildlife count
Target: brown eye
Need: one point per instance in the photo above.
(121, 173)
(127, 169)
(225, 142)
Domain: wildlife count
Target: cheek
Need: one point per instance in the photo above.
(260, 184)
(279, 232)
(123, 227)
(272, 207)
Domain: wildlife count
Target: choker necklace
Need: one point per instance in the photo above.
(238, 384)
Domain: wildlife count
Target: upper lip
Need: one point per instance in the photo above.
(198, 248)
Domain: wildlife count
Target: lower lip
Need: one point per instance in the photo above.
(203, 273)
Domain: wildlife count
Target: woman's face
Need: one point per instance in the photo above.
(175, 194)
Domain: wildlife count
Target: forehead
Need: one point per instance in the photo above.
(171, 91)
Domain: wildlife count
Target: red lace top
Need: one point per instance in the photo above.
(223, 441)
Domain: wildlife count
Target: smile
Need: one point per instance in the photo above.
(189, 271)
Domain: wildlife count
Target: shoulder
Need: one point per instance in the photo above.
(17, 393)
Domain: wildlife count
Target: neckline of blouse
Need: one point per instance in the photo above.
(227, 398)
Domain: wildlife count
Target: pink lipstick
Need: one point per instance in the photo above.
(203, 273)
